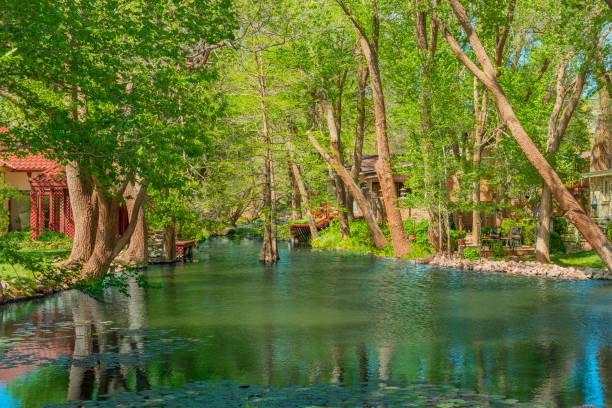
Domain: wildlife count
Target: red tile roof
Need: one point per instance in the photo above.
(32, 162)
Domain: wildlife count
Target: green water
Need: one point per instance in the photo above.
(315, 318)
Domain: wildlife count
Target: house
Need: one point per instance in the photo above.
(600, 196)
(43, 200)
(370, 186)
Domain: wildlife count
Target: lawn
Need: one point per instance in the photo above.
(584, 259)
(9, 271)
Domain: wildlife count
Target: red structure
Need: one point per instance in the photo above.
(50, 186)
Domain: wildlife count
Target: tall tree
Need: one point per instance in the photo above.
(369, 46)
(567, 203)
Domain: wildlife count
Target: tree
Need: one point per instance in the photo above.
(369, 46)
(102, 98)
(568, 204)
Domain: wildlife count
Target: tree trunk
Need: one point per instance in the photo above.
(601, 155)
(362, 81)
(364, 206)
(84, 206)
(556, 130)
(480, 116)
(169, 242)
(297, 175)
(567, 203)
(296, 205)
(137, 250)
(399, 240)
(340, 193)
(102, 255)
(269, 249)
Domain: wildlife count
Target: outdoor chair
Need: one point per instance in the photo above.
(495, 234)
(516, 236)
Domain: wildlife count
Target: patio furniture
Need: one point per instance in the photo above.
(515, 237)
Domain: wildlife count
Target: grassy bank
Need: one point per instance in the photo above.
(361, 242)
(582, 259)
(26, 264)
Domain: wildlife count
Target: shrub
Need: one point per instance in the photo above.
(560, 225)
(498, 250)
(609, 231)
(418, 251)
(556, 243)
(485, 230)
(472, 254)
(455, 236)
(419, 229)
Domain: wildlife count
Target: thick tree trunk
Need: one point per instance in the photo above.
(169, 242)
(399, 240)
(601, 155)
(102, 255)
(364, 206)
(84, 206)
(362, 82)
(137, 250)
(567, 203)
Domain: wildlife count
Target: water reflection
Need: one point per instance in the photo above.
(316, 318)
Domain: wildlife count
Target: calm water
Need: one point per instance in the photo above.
(315, 318)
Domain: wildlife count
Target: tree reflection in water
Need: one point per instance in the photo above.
(315, 318)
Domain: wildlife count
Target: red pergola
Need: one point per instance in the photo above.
(51, 184)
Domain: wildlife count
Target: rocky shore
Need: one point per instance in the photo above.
(517, 268)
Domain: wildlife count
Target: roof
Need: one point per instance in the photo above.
(601, 173)
(31, 162)
(368, 163)
(52, 177)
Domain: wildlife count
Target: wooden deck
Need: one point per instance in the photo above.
(323, 216)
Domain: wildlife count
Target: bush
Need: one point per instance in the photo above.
(419, 230)
(560, 225)
(418, 251)
(472, 254)
(455, 236)
(609, 231)
(498, 250)
(556, 243)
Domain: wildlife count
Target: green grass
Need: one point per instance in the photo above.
(360, 241)
(8, 271)
(583, 259)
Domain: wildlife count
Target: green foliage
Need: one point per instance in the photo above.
(497, 249)
(419, 230)
(455, 236)
(360, 240)
(473, 254)
(609, 231)
(556, 243)
(525, 223)
(418, 251)
(561, 225)
(6, 193)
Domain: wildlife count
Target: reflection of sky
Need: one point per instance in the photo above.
(591, 382)
(5, 399)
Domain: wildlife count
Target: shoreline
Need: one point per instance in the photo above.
(521, 268)
(484, 265)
